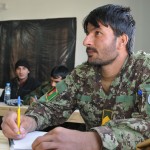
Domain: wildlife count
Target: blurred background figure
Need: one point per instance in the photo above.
(47, 89)
(22, 84)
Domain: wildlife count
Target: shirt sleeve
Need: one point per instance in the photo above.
(56, 111)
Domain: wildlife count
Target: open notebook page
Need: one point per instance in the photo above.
(26, 143)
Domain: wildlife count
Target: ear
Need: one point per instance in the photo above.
(122, 41)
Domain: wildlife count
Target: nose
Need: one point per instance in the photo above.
(87, 41)
(53, 83)
(20, 70)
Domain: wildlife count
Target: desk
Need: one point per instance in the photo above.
(4, 144)
(4, 108)
(75, 117)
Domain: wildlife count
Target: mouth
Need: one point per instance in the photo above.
(20, 75)
(90, 51)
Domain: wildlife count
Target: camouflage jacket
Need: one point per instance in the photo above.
(38, 92)
(127, 104)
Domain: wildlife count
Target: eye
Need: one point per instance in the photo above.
(87, 33)
(98, 33)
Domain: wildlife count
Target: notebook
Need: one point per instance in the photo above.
(26, 143)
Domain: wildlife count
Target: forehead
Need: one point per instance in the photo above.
(21, 67)
(101, 27)
(56, 79)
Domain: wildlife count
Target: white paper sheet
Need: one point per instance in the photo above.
(25, 143)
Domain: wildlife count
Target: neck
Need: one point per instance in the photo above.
(21, 81)
(109, 77)
(109, 72)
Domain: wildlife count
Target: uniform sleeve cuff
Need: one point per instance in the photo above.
(108, 139)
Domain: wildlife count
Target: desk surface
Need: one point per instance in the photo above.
(4, 144)
(75, 117)
(4, 108)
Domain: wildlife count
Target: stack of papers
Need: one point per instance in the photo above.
(26, 143)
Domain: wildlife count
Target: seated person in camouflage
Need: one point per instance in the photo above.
(47, 89)
(23, 83)
(111, 90)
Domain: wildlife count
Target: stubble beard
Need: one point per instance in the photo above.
(99, 62)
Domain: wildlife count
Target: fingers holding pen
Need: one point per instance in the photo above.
(27, 124)
(9, 126)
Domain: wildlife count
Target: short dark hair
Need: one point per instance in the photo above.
(59, 71)
(117, 17)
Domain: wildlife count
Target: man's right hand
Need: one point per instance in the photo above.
(10, 128)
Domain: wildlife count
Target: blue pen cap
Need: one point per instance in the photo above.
(140, 92)
(19, 100)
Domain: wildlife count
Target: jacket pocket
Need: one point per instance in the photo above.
(125, 102)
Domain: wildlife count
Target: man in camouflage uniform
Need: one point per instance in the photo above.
(111, 90)
(58, 73)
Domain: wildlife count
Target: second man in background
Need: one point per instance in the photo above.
(47, 89)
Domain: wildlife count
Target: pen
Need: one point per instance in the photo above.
(18, 114)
